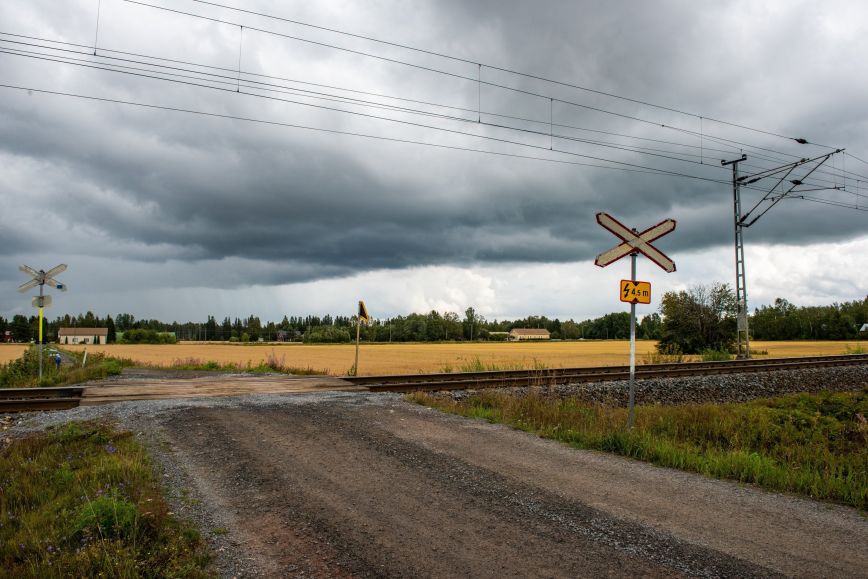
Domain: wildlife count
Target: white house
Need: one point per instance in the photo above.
(82, 335)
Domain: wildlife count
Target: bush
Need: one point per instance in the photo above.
(148, 337)
(327, 334)
(710, 355)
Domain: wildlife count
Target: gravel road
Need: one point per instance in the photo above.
(347, 485)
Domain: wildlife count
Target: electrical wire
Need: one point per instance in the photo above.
(572, 153)
(493, 67)
(829, 202)
(389, 107)
(443, 72)
(649, 171)
(236, 82)
(236, 74)
(371, 116)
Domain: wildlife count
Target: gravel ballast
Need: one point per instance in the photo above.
(721, 388)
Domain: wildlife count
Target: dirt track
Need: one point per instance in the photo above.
(367, 485)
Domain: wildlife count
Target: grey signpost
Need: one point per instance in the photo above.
(633, 243)
(40, 279)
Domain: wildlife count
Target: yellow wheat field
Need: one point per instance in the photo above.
(337, 359)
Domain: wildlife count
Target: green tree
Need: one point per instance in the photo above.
(20, 328)
(111, 336)
(702, 318)
(651, 327)
(469, 322)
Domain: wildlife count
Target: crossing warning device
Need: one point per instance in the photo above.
(635, 241)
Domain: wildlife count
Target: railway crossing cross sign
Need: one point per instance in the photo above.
(40, 279)
(634, 242)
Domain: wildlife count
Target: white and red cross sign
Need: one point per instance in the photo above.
(633, 241)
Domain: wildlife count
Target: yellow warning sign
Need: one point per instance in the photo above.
(363, 312)
(635, 292)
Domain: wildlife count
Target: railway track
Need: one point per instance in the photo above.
(30, 399)
(33, 399)
(558, 376)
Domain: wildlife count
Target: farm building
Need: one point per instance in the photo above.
(518, 334)
(82, 335)
(7, 336)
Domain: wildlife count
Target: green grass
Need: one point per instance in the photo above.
(715, 356)
(84, 500)
(811, 444)
(24, 372)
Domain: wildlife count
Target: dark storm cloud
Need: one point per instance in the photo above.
(158, 186)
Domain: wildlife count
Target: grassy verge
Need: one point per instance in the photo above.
(272, 363)
(815, 445)
(24, 372)
(84, 501)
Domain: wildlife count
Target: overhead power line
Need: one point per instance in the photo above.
(498, 68)
(649, 171)
(452, 74)
(377, 117)
(236, 79)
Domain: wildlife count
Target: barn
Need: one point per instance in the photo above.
(519, 334)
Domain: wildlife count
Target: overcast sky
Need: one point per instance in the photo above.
(175, 215)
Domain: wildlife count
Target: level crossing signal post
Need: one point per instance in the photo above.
(40, 279)
(634, 242)
(363, 316)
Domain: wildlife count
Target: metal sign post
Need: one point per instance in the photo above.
(633, 243)
(41, 278)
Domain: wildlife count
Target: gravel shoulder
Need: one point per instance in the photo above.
(346, 485)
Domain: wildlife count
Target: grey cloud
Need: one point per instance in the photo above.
(154, 186)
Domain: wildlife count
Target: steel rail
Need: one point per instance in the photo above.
(31, 399)
(362, 380)
(556, 376)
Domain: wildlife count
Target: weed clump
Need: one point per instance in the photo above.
(24, 372)
(272, 363)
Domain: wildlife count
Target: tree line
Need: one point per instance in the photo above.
(427, 327)
(689, 321)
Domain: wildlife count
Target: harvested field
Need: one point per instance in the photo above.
(9, 352)
(337, 359)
